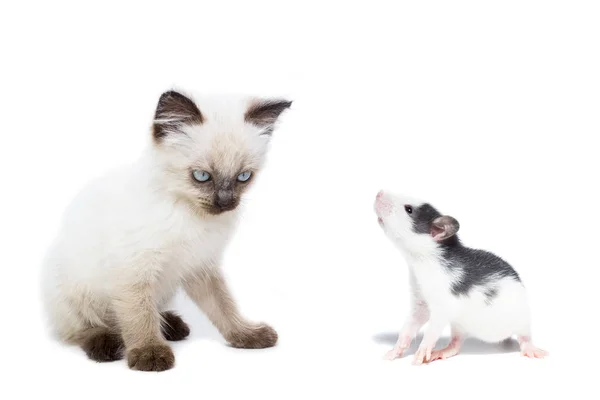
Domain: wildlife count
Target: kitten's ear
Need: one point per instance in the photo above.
(264, 113)
(444, 227)
(173, 110)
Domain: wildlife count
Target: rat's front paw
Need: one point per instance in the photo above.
(255, 337)
(151, 358)
(393, 354)
(399, 348)
(423, 355)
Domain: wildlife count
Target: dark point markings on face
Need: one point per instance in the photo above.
(172, 111)
(264, 113)
(222, 192)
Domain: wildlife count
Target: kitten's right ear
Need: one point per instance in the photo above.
(264, 113)
(173, 110)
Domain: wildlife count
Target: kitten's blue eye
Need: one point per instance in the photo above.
(244, 176)
(201, 176)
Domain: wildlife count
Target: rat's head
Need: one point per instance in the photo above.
(412, 223)
(212, 150)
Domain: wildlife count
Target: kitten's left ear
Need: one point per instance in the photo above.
(264, 113)
(173, 110)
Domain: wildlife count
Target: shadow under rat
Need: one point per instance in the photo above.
(470, 345)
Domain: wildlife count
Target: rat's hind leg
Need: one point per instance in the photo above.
(528, 349)
(453, 347)
(523, 333)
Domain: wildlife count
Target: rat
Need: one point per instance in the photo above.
(474, 291)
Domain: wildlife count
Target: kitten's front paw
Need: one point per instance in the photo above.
(256, 337)
(151, 358)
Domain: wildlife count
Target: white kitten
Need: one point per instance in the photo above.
(132, 237)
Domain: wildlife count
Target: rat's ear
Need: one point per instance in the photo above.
(173, 110)
(444, 227)
(264, 113)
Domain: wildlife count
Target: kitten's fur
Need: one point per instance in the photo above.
(132, 237)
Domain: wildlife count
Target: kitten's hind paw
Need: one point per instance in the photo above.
(103, 346)
(173, 328)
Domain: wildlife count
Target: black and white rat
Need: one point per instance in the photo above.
(474, 291)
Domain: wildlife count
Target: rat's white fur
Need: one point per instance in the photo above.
(432, 300)
(133, 236)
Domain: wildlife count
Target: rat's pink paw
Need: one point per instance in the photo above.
(438, 355)
(531, 351)
(423, 355)
(443, 353)
(396, 352)
(449, 351)
(393, 354)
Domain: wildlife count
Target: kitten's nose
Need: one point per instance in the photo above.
(224, 198)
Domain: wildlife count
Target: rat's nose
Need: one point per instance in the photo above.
(380, 194)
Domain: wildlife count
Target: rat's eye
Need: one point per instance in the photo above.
(244, 176)
(201, 176)
(408, 209)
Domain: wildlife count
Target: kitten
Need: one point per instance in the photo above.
(132, 237)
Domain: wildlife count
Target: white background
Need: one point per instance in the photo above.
(489, 110)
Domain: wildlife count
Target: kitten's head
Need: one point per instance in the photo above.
(211, 151)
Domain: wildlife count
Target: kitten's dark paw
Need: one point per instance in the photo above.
(258, 337)
(104, 346)
(151, 358)
(173, 328)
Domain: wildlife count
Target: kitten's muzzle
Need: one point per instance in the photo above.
(225, 200)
